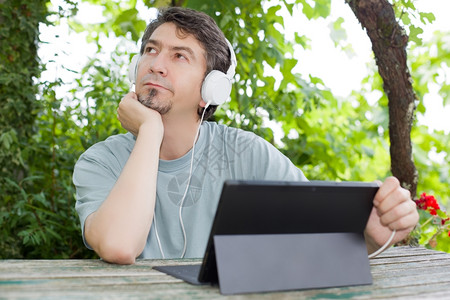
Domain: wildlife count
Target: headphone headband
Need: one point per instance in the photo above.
(232, 69)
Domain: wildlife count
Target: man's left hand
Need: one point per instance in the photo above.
(393, 210)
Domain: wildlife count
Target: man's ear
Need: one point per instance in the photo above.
(202, 103)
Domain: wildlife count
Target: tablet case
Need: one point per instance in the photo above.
(270, 236)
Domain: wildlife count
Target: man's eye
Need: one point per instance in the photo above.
(180, 56)
(150, 50)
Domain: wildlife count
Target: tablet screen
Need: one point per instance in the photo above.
(274, 207)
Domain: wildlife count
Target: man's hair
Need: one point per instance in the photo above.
(205, 30)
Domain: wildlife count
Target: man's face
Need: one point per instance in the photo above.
(170, 72)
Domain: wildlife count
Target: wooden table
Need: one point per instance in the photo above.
(401, 272)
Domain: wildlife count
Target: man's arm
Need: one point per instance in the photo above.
(118, 230)
(393, 210)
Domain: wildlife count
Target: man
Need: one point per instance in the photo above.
(131, 188)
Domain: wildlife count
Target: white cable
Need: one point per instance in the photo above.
(188, 183)
(157, 237)
(384, 246)
(184, 195)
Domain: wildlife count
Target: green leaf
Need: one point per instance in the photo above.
(414, 33)
(308, 10)
(427, 17)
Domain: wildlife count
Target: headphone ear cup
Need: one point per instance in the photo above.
(132, 69)
(216, 88)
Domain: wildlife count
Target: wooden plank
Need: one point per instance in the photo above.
(396, 274)
(78, 268)
(185, 291)
(405, 259)
(408, 250)
(181, 290)
(382, 286)
(410, 264)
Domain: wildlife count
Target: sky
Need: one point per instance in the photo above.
(323, 60)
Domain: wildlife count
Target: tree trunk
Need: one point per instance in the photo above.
(389, 46)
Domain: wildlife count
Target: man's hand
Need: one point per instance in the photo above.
(132, 115)
(393, 210)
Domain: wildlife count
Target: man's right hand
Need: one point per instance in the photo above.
(132, 115)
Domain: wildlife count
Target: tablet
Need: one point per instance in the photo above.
(281, 207)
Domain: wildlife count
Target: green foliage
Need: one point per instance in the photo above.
(430, 148)
(433, 230)
(39, 148)
(411, 19)
(121, 19)
(19, 66)
(430, 59)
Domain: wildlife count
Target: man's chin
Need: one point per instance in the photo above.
(162, 110)
(151, 101)
(155, 105)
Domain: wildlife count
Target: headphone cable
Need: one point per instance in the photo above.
(188, 183)
(384, 246)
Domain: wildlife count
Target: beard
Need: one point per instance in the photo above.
(148, 100)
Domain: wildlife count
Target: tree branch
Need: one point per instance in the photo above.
(389, 46)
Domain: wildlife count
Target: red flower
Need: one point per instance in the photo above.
(443, 221)
(428, 202)
(419, 204)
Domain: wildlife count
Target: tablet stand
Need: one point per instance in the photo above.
(264, 263)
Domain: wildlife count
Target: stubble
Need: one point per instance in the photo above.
(149, 100)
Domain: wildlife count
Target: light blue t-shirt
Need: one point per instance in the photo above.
(220, 153)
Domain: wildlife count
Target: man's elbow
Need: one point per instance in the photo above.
(113, 247)
(117, 254)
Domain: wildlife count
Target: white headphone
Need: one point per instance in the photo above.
(216, 87)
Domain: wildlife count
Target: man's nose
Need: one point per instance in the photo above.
(159, 64)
